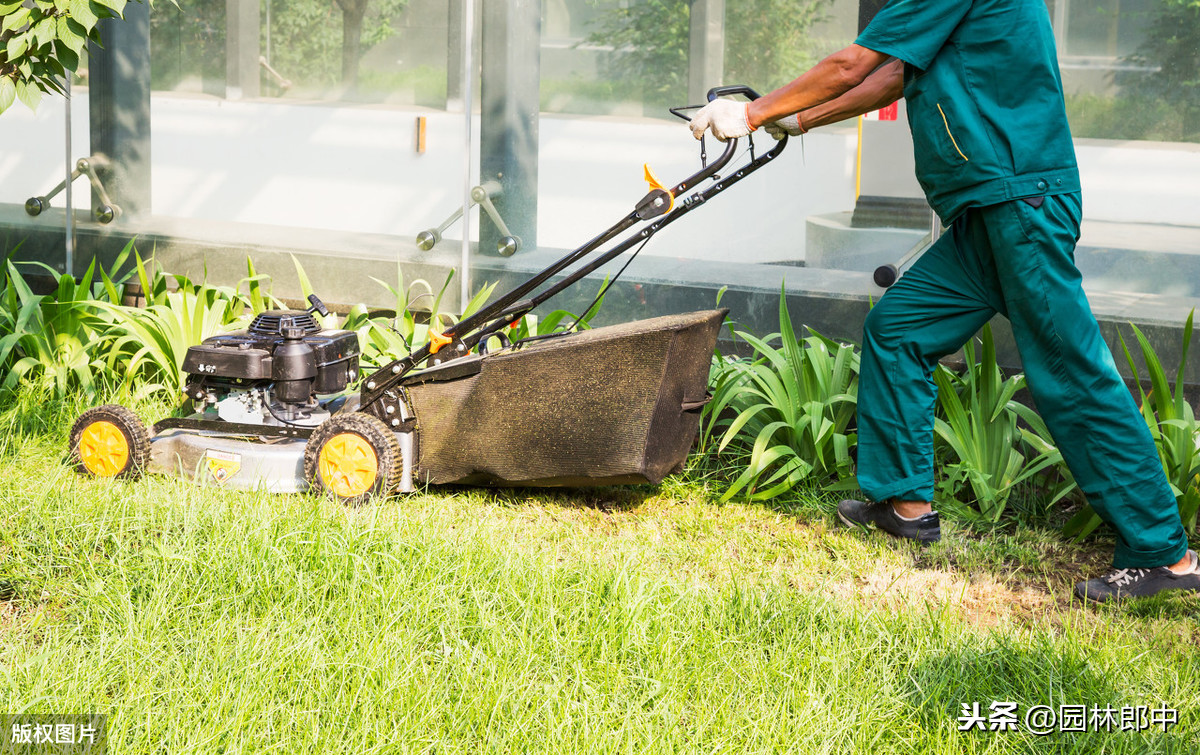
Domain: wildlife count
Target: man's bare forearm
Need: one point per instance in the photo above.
(881, 88)
(833, 77)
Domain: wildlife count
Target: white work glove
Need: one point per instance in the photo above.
(790, 125)
(725, 118)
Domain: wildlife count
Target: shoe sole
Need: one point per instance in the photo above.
(1100, 599)
(849, 523)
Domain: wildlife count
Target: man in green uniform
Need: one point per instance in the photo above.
(994, 155)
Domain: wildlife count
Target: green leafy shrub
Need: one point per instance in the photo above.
(557, 321)
(148, 345)
(786, 414)
(151, 343)
(53, 342)
(978, 433)
(1174, 428)
(40, 41)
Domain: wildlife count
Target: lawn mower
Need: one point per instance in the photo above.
(271, 405)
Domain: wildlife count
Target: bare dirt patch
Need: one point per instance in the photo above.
(981, 600)
(8, 615)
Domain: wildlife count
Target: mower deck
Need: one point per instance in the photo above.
(275, 465)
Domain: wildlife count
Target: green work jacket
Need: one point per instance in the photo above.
(984, 98)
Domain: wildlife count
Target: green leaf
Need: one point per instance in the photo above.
(306, 288)
(435, 310)
(117, 6)
(256, 299)
(8, 93)
(1160, 391)
(1082, 524)
(81, 11)
(69, 36)
(14, 20)
(1187, 342)
(17, 45)
(30, 95)
(45, 31)
(68, 57)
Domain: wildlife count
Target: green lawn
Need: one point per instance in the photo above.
(617, 620)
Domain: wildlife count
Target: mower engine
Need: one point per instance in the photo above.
(271, 373)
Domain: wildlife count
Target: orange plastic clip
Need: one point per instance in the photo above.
(437, 341)
(656, 184)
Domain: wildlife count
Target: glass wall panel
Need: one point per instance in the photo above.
(770, 42)
(33, 170)
(1126, 67)
(610, 70)
(613, 57)
(1108, 28)
(393, 51)
(188, 47)
(632, 57)
(313, 124)
(336, 126)
(360, 50)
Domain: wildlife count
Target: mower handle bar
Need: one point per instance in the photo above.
(713, 94)
(513, 304)
(732, 89)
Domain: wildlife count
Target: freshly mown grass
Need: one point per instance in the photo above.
(614, 620)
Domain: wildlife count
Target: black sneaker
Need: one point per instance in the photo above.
(1140, 583)
(924, 529)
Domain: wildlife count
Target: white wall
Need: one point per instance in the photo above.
(1140, 182)
(355, 169)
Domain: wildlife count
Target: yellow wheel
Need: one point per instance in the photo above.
(103, 450)
(348, 465)
(109, 441)
(353, 458)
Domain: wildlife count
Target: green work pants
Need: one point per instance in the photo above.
(1016, 259)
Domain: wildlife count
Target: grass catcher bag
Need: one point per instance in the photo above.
(614, 405)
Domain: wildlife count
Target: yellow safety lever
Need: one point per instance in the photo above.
(437, 341)
(656, 184)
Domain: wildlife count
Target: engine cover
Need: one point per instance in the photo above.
(248, 356)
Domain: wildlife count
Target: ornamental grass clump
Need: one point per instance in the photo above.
(1173, 426)
(54, 342)
(150, 343)
(786, 415)
(386, 336)
(987, 454)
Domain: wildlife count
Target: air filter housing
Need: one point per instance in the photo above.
(613, 405)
